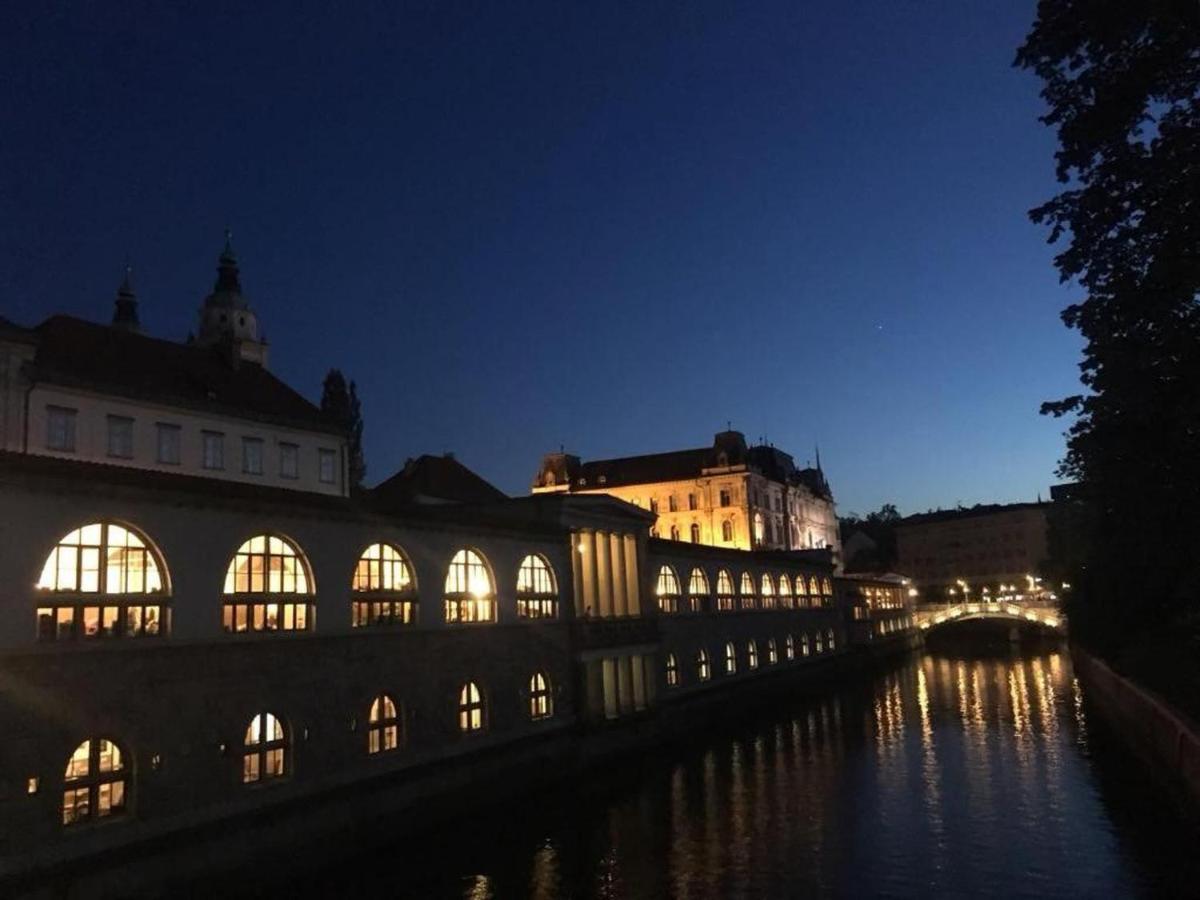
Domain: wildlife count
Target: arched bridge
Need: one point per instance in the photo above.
(1045, 613)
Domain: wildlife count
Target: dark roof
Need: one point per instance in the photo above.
(75, 353)
(433, 479)
(981, 509)
(673, 466)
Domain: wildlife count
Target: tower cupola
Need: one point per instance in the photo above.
(226, 317)
(125, 311)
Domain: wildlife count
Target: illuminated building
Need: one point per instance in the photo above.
(185, 647)
(726, 495)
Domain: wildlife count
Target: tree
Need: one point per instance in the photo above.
(880, 528)
(1122, 85)
(341, 406)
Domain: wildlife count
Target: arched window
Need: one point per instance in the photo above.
(730, 658)
(767, 590)
(672, 671)
(472, 709)
(752, 654)
(789, 647)
(785, 592)
(759, 529)
(695, 533)
(666, 589)
(746, 589)
(263, 584)
(727, 531)
(818, 642)
(703, 668)
(383, 725)
(541, 701)
(384, 590)
(772, 652)
(826, 587)
(264, 749)
(724, 590)
(537, 596)
(674, 532)
(829, 641)
(801, 592)
(697, 589)
(814, 591)
(102, 581)
(470, 596)
(804, 644)
(94, 782)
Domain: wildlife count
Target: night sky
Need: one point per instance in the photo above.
(609, 226)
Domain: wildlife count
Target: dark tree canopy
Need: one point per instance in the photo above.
(880, 528)
(340, 403)
(1122, 85)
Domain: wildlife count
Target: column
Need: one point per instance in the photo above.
(638, 670)
(611, 692)
(624, 683)
(632, 588)
(604, 591)
(577, 571)
(588, 564)
(620, 589)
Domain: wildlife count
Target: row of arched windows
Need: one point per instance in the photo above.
(821, 642)
(96, 780)
(107, 580)
(770, 592)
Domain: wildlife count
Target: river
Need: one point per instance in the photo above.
(940, 775)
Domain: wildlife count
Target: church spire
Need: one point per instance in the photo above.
(125, 311)
(228, 276)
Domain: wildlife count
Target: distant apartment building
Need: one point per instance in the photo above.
(726, 495)
(992, 546)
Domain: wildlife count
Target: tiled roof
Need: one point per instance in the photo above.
(433, 479)
(75, 353)
(673, 466)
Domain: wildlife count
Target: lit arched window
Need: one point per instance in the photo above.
(759, 529)
(666, 589)
(826, 587)
(262, 585)
(724, 590)
(470, 596)
(752, 654)
(818, 642)
(697, 589)
(789, 647)
(674, 532)
(384, 590)
(541, 700)
(829, 638)
(695, 533)
(102, 581)
(804, 644)
(94, 782)
(785, 592)
(383, 725)
(537, 596)
(703, 668)
(672, 670)
(263, 749)
(730, 659)
(472, 710)
(746, 589)
(727, 531)
(814, 591)
(772, 652)
(767, 590)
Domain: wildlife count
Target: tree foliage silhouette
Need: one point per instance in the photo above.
(341, 405)
(1122, 83)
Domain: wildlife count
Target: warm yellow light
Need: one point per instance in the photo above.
(582, 546)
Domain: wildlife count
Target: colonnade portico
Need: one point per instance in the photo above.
(606, 574)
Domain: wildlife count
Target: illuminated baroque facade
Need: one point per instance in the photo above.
(726, 495)
(185, 648)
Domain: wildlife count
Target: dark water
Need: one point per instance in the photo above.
(940, 776)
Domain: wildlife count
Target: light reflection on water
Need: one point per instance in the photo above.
(940, 777)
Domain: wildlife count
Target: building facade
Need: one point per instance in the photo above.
(199, 656)
(727, 495)
(1000, 548)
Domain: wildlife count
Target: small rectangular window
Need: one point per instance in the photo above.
(671, 503)
(214, 449)
(724, 498)
(289, 461)
(691, 501)
(60, 428)
(327, 466)
(120, 437)
(168, 443)
(252, 455)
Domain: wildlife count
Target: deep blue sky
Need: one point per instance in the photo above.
(611, 226)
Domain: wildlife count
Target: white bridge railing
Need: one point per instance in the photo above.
(1037, 611)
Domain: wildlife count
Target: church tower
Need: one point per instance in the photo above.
(226, 318)
(125, 311)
